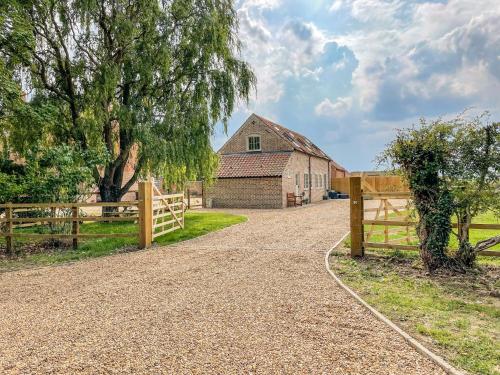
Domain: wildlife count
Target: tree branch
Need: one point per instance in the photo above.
(486, 244)
(135, 176)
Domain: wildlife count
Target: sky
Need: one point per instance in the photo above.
(348, 73)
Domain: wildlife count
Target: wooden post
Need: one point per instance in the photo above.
(357, 213)
(75, 228)
(407, 218)
(189, 198)
(202, 193)
(10, 228)
(145, 214)
(183, 223)
(386, 217)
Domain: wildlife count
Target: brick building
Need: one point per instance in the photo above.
(264, 161)
(337, 171)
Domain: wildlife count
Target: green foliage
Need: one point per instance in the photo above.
(11, 187)
(452, 168)
(123, 76)
(423, 154)
(56, 174)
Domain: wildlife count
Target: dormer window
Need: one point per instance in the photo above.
(253, 143)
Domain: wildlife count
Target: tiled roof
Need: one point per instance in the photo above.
(266, 164)
(296, 140)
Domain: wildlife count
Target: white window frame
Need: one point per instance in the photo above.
(248, 142)
(297, 179)
(306, 181)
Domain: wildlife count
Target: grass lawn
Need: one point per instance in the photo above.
(457, 316)
(196, 224)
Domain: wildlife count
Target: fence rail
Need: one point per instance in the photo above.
(155, 213)
(362, 237)
(52, 213)
(370, 184)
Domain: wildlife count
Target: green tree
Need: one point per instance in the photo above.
(125, 77)
(47, 175)
(452, 168)
(475, 180)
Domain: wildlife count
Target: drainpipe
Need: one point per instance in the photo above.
(328, 187)
(310, 181)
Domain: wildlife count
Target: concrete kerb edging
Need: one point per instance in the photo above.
(410, 340)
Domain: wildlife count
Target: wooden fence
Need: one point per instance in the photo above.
(370, 184)
(392, 214)
(155, 215)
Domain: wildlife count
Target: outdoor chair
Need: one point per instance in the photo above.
(293, 200)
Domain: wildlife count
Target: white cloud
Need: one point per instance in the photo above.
(261, 4)
(277, 52)
(375, 10)
(339, 108)
(411, 60)
(425, 50)
(336, 5)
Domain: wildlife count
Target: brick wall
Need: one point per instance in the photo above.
(270, 141)
(245, 193)
(338, 173)
(195, 188)
(299, 164)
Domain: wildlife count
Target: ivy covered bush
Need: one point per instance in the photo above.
(452, 169)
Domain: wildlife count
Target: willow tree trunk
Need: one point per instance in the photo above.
(110, 193)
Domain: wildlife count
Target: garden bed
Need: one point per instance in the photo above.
(455, 315)
(32, 254)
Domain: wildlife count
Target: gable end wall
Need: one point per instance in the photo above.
(270, 141)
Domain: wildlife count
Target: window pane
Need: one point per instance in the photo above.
(254, 143)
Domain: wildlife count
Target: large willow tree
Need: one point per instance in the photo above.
(124, 77)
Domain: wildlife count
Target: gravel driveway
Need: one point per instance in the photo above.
(253, 298)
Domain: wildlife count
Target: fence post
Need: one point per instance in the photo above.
(183, 210)
(75, 227)
(202, 193)
(189, 198)
(357, 235)
(145, 214)
(10, 228)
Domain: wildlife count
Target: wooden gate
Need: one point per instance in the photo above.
(168, 212)
(389, 223)
(388, 210)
